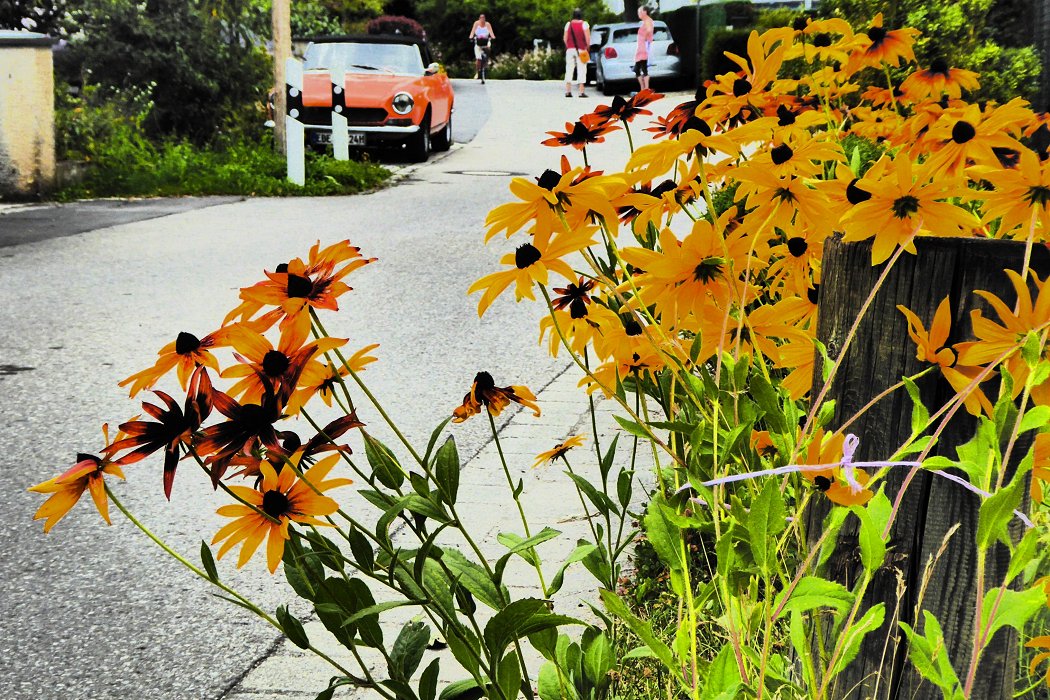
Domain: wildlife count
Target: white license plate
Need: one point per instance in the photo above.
(356, 138)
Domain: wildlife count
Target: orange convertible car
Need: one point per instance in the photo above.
(393, 93)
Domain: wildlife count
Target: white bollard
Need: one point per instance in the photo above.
(294, 131)
(340, 133)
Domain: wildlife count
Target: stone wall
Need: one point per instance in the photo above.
(27, 115)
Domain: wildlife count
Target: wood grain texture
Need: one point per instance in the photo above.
(879, 355)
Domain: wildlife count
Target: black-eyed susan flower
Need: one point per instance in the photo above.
(743, 95)
(939, 79)
(322, 379)
(586, 130)
(964, 136)
(880, 46)
(184, 354)
(280, 500)
(559, 450)
(532, 264)
(1041, 642)
(1019, 198)
(67, 488)
(930, 347)
(995, 340)
(484, 392)
(828, 448)
(823, 40)
(1040, 466)
(626, 110)
(903, 204)
(173, 430)
(248, 427)
(262, 367)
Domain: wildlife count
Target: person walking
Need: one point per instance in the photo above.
(482, 34)
(645, 43)
(577, 38)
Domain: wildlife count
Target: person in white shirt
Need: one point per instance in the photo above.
(482, 35)
(577, 37)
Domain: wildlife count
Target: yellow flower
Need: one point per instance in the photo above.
(484, 392)
(66, 489)
(558, 450)
(280, 499)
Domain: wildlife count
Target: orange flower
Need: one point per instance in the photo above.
(186, 353)
(67, 488)
(280, 499)
(484, 392)
(939, 79)
(883, 46)
(558, 450)
(827, 448)
(1040, 466)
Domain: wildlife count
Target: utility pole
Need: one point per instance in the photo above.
(282, 51)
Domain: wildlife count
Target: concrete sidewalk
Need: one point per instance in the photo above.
(549, 499)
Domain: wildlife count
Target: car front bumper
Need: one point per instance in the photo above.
(372, 135)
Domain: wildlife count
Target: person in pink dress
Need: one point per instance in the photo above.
(641, 54)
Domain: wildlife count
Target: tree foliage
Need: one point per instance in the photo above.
(201, 63)
(49, 17)
(991, 37)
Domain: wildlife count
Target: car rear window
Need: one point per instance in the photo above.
(400, 59)
(598, 36)
(621, 36)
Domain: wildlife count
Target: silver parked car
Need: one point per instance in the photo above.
(614, 57)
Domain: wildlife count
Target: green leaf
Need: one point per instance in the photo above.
(302, 569)
(1014, 609)
(1032, 350)
(582, 551)
(379, 608)
(872, 546)
(446, 471)
(520, 619)
(920, 417)
(633, 428)
(465, 647)
(434, 435)
(385, 466)
(598, 659)
(550, 684)
(765, 521)
(625, 487)
(361, 549)
(642, 629)
(466, 689)
(869, 622)
(1037, 417)
(663, 534)
(408, 650)
(996, 513)
(508, 675)
(833, 522)
(723, 677)
(813, 592)
(209, 562)
(600, 499)
(1023, 554)
(428, 681)
(473, 577)
(930, 656)
(415, 503)
(293, 629)
(522, 547)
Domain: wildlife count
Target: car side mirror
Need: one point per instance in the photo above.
(433, 69)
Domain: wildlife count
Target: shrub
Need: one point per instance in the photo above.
(393, 24)
(713, 60)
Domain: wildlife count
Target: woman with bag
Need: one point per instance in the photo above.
(577, 38)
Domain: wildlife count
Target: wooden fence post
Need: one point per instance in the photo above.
(877, 358)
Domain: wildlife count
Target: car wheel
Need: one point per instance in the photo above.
(607, 88)
(443, 141)
(419, 142)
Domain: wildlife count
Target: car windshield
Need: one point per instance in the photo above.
(622, 36)
(399, 59)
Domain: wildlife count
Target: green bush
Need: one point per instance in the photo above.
(713, 61)
(541, 64)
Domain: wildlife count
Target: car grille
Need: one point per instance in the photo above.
(322, 116)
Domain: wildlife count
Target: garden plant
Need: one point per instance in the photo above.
(686, 287)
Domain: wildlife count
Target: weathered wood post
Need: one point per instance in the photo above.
(877, 358)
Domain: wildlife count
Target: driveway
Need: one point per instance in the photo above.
(96, 613)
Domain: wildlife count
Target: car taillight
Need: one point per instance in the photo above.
(672, 50)
(610, 52)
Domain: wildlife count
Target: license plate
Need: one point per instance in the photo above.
(355, 138)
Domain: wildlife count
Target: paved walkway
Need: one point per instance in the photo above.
(289, 673)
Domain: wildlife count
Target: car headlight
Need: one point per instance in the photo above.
(403, 103)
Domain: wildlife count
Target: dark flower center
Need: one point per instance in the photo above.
(1038, 195)
(797, 246)
(483, 382)
(275, 504)
(663, 188)
(275, 363)
(708, 270)
(822, 483)
(526, 255)
(854, 194)
(799, 24)
(939, 65)
(877, 35)
(632, 327)
(299, 287)
(963, 132)
(548, 180)
(781, 154)
(283, 267)
(905, 206)
(577, 308)
(785, 117)
(741, 86)
(253, 418)
(185, 343)
(813, 294)
(695, 123)
(821, 41)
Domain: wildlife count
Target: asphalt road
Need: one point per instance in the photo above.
(97, 613)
